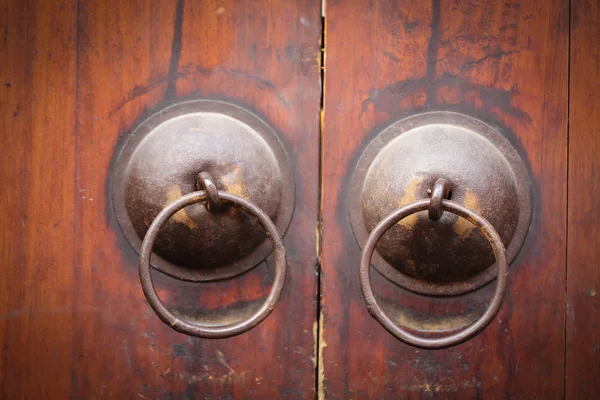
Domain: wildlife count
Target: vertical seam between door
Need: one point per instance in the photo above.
(319, 343)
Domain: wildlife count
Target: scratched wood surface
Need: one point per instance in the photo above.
(76, 78)
(583, 252)
(134, 60)
(37, 152)
(505, 62)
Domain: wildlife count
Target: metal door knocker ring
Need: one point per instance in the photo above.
(213, 198)
(436, 205)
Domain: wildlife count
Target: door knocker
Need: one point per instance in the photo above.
(204, 191)
(440, 204)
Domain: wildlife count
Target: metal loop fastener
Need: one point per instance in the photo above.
(205, 182)
(375, 310)
(440, 191)
(210, 330)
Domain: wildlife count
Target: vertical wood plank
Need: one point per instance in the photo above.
(37, 142)
(124, 49)
(583, 273)
(136, 58)
(505, 62)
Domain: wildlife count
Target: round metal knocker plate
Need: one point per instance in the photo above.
(160, 162)
(484, 173)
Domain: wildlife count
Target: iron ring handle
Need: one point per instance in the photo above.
(205, 330)
(375, 310)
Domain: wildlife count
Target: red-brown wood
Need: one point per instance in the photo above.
(583, 252)
(504, 62)
(76, 79)
(37, 143)
(135, 59)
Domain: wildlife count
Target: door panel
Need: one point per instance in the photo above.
(74, 319)
(79, 76)
(504, 62)
(37, 143)
(116, 348)
(583, 274)
(262, 56)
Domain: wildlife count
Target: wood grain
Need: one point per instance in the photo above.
(76, 79)
(505, 62)
(583, 252)
(134, 59)
(37, 151)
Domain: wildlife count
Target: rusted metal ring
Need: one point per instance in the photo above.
(206, 182)
(210, 330)
(375, 310)
(439, 192)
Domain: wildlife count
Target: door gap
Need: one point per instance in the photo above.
(319, 368)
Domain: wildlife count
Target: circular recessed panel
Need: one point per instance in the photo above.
(161, 161)
(485, 174)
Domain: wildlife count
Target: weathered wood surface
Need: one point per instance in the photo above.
(583, 252)
(505, 62)
(37, 217)
(77, 77)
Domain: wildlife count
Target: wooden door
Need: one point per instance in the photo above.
(77, 76)
(582, 369)
(503, 62)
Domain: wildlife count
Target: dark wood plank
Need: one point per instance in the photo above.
(583, 252)
(122, 46)
(504, 62)
(135, 58)
(37, 143)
